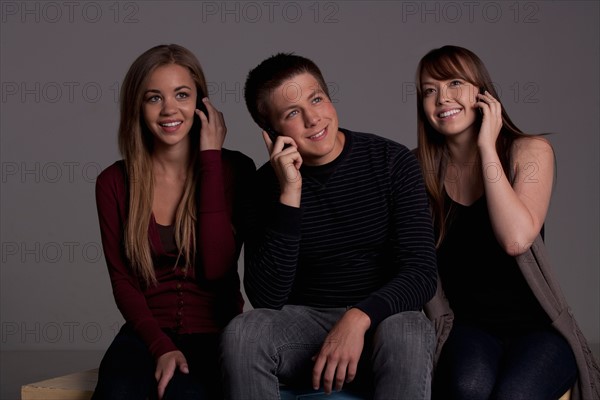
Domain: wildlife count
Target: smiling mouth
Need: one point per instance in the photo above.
(170, 124)
(449, 113)
(318, 135)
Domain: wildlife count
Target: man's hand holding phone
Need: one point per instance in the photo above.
(286, 161)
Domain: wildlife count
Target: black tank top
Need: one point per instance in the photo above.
(484, 285)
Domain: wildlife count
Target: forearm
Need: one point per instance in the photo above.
(413, 257)
(134, 308)
(415, 263)
(128, 295)
(412, 287)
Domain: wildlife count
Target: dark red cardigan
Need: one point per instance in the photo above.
(203, 299)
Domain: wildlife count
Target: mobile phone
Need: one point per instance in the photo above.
(202, 107)
(481, 91)
(272, 134)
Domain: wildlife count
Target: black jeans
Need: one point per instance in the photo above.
(127, 369)
(478, 365)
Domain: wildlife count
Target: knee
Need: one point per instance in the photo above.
(192, 386)
(472, 389)
(404, 342)
(245, 337)
(473, 383)
(119, 389)
(406, 331)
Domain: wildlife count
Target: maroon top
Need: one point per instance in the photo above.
(202, 299)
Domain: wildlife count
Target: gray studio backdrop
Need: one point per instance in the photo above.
(62, 64)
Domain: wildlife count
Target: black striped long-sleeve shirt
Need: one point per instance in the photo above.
(362, 236)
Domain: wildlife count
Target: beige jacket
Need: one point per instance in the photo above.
(536, 269)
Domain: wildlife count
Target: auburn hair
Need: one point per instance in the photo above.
(444, 63)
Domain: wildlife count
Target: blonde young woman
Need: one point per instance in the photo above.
(489, 187)
(169, 216)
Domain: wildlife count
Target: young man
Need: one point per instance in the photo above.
(339, 256)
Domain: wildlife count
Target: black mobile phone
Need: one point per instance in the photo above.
(481, 91)
(202, 107)
(272, 134)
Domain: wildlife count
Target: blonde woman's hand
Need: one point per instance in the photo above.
(213, 131)
(165, 369)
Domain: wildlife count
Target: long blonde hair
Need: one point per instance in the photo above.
(445, 63)
(136, 146)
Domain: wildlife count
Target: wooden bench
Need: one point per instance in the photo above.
(77, 386)
(80, 386)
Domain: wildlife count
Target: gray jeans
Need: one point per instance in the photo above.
(262, 347)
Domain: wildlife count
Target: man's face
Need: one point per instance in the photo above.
(300, 109)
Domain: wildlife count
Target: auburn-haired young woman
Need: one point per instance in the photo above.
(489, 186)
